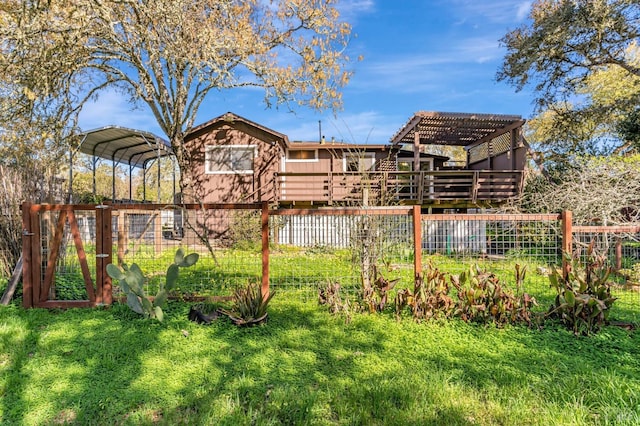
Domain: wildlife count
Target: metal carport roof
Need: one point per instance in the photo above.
(121, 145)
(124, 146)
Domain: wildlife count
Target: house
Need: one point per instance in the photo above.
(237, 160)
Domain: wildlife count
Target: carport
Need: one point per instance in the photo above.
(121, 145)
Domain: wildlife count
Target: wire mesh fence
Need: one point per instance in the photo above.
(309, 249)
(314, 248)
(226, 239)
(620, 246)
(61, 253)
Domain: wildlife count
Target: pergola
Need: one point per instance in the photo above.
(121, 145)
(455, 129)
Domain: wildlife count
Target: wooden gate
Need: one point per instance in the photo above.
(66, 249)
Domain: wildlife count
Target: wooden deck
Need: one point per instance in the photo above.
(459, 188)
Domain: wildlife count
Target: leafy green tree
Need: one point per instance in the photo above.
(167, 173)
(582, 58)
(566, 41)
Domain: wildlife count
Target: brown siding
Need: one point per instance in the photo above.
(233, 188)
(503, 161)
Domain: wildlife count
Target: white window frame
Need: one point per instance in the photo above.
(293, 160)
(361, 155)
(207, 159)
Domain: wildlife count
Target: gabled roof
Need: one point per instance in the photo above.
(234, 119)
(123, 145)
(459, 129)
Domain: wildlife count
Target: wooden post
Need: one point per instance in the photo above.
(416, 150)
(27, 282)
(567, 243)
(104, 255)
(157, 233)
(618, 253)
(36, 255)
(512, 147)
(265, 249)
(122, 235)
(100, 265)
(417, 242)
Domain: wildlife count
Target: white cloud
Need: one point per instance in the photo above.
(501, 12)
(523, 10)
(429, 69)
(113, 108)
(351, 9)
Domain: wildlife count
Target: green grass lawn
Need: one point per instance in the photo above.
(109, 366)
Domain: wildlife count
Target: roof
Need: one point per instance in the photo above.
(459, 129)
(123, 145)
(405, 153)
(339, 145)
(232, 118)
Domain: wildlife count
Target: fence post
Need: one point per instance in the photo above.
(107, 251)
(567, 240)
(417, 242)
(27, 282)
(265, 249)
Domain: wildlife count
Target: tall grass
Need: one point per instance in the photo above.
(307, 367)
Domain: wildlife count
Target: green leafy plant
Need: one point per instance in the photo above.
(482, 298)
(249, 305)
(429, 298)
(376, 295)
(132, 280)
(583, 299)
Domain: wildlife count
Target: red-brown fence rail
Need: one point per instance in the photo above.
(66, 248)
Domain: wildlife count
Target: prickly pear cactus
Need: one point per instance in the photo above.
(133, 281)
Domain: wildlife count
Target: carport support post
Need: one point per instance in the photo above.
(417, 242)
(265, 249)
(567, 236)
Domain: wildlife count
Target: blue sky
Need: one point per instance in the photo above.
(418, 55)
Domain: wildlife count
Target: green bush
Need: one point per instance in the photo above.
(482, 298)
(583, 300)
(430, 297)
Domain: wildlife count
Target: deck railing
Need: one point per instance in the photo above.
(407, 187)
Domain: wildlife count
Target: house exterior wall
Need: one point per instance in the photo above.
(329, 158)
(229, 186)
(503, 161)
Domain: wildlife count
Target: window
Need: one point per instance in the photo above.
(302, 155)
(229, 159)
(359, 162)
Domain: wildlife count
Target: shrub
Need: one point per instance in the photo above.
(376, 295)
(583, 299)
(429, 298)
(482, 298)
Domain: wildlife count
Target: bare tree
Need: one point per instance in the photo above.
(598, 190)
